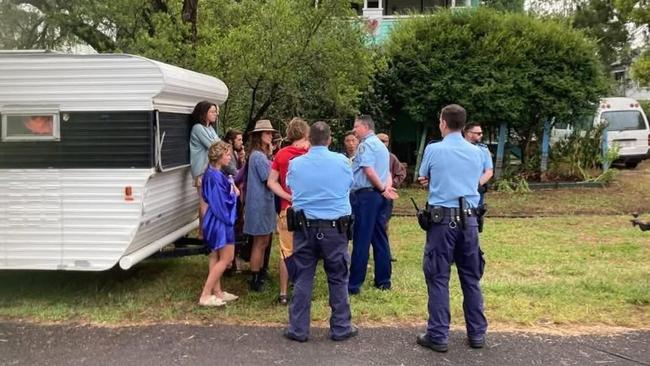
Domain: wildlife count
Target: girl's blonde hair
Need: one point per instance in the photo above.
(218, 150)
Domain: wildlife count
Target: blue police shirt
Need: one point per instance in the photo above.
(370, 153)
(320, 183)
(487, 157)
(453, 167)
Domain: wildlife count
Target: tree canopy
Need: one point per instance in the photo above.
(501, 67)
(601, 21)
(608, 23)
(286, 57)
(638, 12)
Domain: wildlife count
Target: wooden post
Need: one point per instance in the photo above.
(503, 129)
(418, 160)
(545, 145)
(605, 147)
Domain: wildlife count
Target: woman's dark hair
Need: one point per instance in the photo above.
(200, 112)
(255, 143)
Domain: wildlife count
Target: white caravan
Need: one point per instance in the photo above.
(94, 158)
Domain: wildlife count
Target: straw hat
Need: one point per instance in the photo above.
(263, 125)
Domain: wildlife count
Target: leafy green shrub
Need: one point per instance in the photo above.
(579, 157)
(513, 180)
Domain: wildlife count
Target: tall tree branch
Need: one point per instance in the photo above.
(189, 15)
(73, 25)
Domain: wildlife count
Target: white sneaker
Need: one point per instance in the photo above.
(227, 296)
(212, 301)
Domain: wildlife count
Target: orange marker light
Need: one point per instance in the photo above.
(128, 193)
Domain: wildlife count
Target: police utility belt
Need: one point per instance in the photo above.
(297, 221)
(435, 214)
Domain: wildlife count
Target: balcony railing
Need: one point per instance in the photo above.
(381, 8)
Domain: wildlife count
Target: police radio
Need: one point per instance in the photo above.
(424, 217)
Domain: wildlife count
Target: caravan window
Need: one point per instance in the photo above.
(30, 127)
(624, 120)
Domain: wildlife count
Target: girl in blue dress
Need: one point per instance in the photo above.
(218, 224)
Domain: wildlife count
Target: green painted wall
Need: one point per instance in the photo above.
(387, 24)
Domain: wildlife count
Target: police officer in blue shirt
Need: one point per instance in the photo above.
(474, 134)
(371, 191)
(452, 169)
(320, 184)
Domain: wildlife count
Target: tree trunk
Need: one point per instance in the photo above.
(189, 15)
(251, 123)
(262, 110)
(94, 38)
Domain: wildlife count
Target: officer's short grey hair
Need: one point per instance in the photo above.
(366, 120)
(319, 134)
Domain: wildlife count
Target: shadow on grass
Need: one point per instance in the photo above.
(26, 285)
(97, 296)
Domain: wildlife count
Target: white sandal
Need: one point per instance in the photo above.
(227, 296)
(212, 301)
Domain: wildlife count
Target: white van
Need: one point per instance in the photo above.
(627, 127)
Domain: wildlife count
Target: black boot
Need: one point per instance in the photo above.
(256, 283)
(264, 276)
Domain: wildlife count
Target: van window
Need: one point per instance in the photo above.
(624, 120)
(30, 127)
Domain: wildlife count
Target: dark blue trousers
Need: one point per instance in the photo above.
(332, 246)
(369, 212)
(446, 245)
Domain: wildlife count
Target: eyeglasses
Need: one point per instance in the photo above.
(476, 133)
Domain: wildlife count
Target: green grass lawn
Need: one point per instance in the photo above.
(559, 271)
(628, 193)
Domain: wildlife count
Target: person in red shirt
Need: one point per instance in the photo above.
(298, 136)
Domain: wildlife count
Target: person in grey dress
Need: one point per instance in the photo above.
(259, 212)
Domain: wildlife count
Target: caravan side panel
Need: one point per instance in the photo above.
(99, 220)
(30, 219)
(103, 82)
(73, 219)
(79, 82)
(170, 202)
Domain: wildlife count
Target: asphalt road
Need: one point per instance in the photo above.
(32, 344)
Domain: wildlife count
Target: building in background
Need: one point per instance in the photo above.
(639, 41)
(381, 15)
